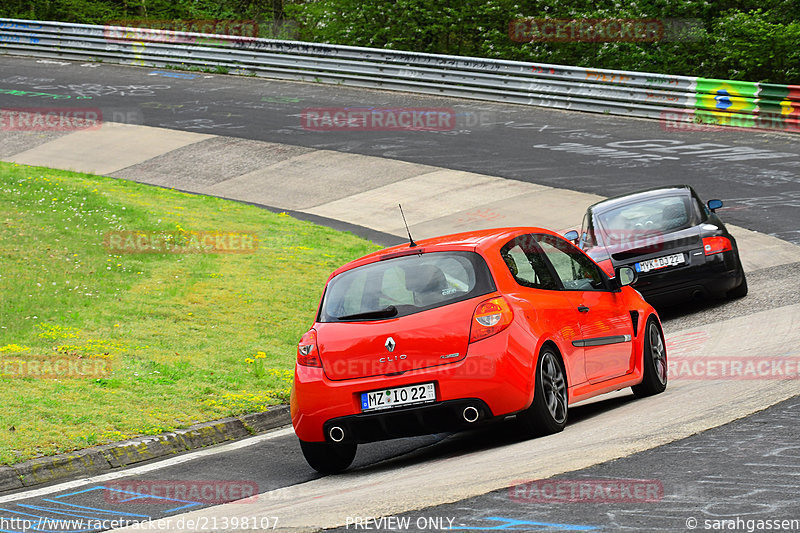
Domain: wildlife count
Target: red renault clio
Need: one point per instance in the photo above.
(449, 332)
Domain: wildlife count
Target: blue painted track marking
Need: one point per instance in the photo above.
(136, 496)
(510, 524)
(48, 516)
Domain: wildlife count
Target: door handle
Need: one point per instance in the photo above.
(583, 309)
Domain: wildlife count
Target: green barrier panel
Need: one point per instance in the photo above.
(771, 91)
(747, 105)
(781, 103)
(717, 118)
(725, 96)
(766, 121)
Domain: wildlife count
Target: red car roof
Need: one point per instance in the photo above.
(477, 240)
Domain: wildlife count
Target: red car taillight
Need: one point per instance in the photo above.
(307, 351)
(715, 245)
(490, 317)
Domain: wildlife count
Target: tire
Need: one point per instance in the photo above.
(739, 291)
(328, 457)
(548, 411)
(654, 355)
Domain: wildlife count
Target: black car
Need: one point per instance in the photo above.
(677, 244)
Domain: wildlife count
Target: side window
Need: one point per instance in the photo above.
(588, 238)
(526, 264)
(576, 271)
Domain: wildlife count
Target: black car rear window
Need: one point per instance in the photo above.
(653, 216)
(405, 285)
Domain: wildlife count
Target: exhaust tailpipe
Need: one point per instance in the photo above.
(336, 434)
(470, 414)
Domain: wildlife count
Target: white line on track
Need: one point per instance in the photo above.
(200, 454)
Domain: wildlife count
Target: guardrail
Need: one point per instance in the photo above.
(682, 99)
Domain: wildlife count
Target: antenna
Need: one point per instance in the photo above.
(411, 243)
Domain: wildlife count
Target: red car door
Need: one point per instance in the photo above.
(546, 307)
(606, 326)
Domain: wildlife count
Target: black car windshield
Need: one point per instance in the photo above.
(405, 285)
(653, 216)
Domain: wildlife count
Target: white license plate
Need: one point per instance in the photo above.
(407, 395)
(660, 262)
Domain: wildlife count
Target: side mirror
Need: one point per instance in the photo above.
(572, 236)
(626, 276)
(714, 205)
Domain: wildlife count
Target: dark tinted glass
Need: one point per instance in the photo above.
(575, 270)
(405, 285)
(525, 262)
(654, 216)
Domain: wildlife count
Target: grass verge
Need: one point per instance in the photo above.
(170, 339)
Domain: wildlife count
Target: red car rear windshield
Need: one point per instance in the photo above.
(405, 285)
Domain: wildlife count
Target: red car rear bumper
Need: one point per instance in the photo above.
(496, 376)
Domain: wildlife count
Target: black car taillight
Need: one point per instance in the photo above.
(716, 245)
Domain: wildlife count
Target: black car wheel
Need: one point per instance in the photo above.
(548, 412)
(654, 362)
(329, 457)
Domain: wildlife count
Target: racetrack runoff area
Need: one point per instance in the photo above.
(365, 191)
